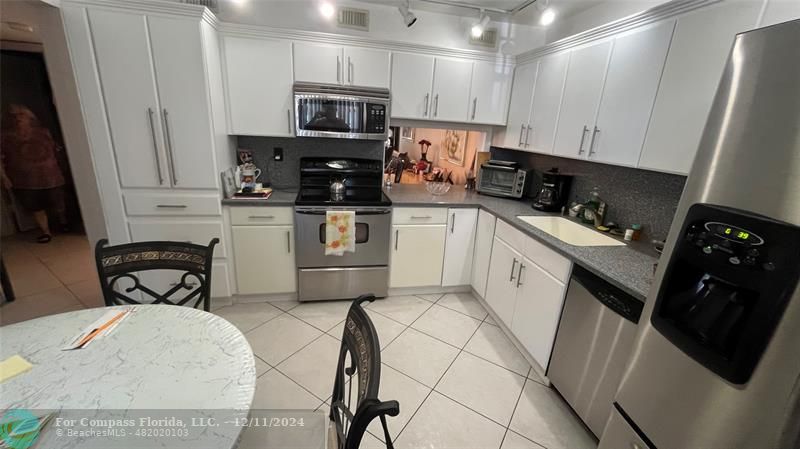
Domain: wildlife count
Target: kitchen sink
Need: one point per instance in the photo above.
(570, 232)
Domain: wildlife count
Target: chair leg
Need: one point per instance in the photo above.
(389, 444)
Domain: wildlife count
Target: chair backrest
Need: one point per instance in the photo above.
(359, 368)
(193, 287)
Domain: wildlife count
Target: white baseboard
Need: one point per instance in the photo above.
(431, 290)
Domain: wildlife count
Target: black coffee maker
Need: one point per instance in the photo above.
(555, 191)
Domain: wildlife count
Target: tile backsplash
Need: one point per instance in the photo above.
(634, 196)
(285, 174)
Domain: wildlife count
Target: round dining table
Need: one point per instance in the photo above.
(180, 366)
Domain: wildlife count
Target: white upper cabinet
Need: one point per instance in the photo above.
(258, 86)
(183, 91)
(451, 84)
(316, 63)
(697, 55)
(519, 108)
(366, 67)
(129, 90)
(634, 71)
(412, 79)
(491, 86)
(582, 92)
(459, 246)
(546, 103)
(778, 11)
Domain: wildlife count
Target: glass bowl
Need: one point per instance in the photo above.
(438, 188)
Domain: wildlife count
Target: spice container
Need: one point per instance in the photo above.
(633, 233)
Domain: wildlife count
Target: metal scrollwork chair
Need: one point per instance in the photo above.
(126, 261)
(360, 361)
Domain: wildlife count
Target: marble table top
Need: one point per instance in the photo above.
(159, 358)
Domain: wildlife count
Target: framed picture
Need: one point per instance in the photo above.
(454, 146)
(407, 133)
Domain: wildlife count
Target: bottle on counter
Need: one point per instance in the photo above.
(595, 209)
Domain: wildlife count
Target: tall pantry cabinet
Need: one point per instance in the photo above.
(152, 92)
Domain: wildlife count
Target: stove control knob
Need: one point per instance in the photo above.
(752, 252)
(734, 260)
(707, 249)
(769, 266)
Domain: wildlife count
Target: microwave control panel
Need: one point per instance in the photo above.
(376, 118)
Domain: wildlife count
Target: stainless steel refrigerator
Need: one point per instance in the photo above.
(716, 361)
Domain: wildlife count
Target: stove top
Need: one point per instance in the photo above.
(352, 198)
(361, 177)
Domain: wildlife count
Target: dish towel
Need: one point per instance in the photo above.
(340, 232)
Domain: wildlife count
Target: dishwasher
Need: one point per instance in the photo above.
(594, 339)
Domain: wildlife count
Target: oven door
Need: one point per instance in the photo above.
(497, 180)
(373, 229)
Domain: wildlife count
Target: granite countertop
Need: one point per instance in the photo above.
(278, 198)
(628, 267)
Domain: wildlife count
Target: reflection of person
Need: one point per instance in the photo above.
(31, 169)
(326, 120)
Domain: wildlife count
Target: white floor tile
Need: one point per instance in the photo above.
(442, 423)
(482, 386)
(446, 325)
(408, 392)
(248, 316)
(314, 366)
(261, 367)
(490, 343)
(404, 309)
(464, 303)
(276, 391)
(286, 305)
(490, 320)
(543, 416)
(432, 298)
(280, 337)
(323, 315)
(50, 302)
(419, 356)
(514, 441)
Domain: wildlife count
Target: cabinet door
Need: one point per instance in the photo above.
(582, 90)
(451, 81)
(547, 102)
(258, 87)
(697, 55)
(484, 236)
(537, 311)
(501, 288)
(129, 90)
(459, 247)
(183, 91)
(412, 79)
(629, 93)
(491, 87)
(318, 63)
(417, 255)
(264, 258)
(519, 108)
(366, 67)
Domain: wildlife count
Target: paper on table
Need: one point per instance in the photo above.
(100, 328)
(13, 366)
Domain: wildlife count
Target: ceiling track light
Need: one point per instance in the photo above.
(480, 26)
(408, 17)
(326, 9)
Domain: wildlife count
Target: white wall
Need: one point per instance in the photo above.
(46, 21)
(435, 29)
(605, 12)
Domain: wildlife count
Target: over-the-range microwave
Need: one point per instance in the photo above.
(344, 112)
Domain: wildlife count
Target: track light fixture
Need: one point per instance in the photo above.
(480, 26)
(408, 17)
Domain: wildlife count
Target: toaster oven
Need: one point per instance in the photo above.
(502, 178)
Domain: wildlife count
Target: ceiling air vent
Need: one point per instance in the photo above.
(487, 39)
(357, 19)
(210, 4)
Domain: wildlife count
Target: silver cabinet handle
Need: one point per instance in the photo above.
(583, 137)
(453, 223)
(289, 120)
(155, 145)
(521, 131)
(527, 134)
(338, 70)
(436, 105)
(591, 144)
(427, 97)
(513, 265)
(349, 71)
(396, 238)
(171, 206)
(474, 107)
(289, 242)
(168, 139)
(420, 217)
(266, 217)
(519, 274)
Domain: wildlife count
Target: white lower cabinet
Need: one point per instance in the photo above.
(484, 237)
(264, 258)
(501, 289)
(537, 311)
(417, 255)
(459, 247)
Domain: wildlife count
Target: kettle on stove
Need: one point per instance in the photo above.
(555, 191)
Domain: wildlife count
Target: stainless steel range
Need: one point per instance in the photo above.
(350, 185)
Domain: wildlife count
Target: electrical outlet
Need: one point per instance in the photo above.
(277, 154)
